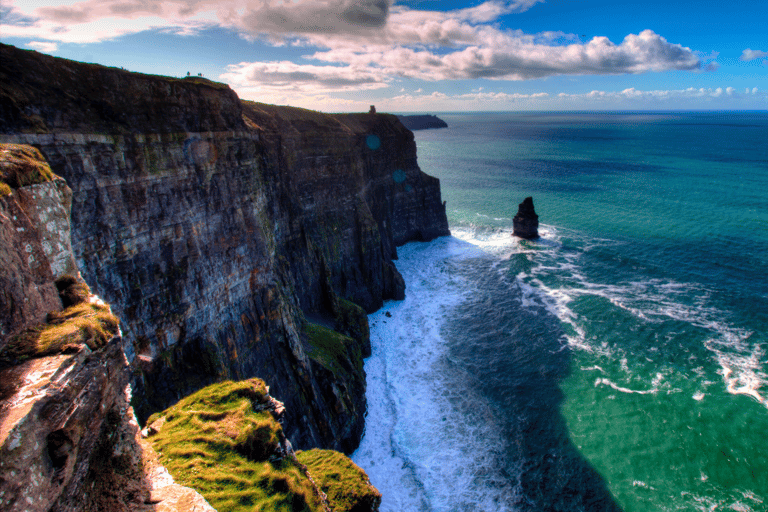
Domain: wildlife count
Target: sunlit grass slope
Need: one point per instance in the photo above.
(224, 442)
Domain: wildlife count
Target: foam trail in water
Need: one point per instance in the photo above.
(742, 361)
(429, 443)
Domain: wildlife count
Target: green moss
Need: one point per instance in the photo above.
(336, 352)
(22, 165)
(221, 442)
(5, 190)
(346, 485)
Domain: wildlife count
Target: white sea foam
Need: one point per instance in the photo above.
(609, 383)
(429, 443)
(743, 363)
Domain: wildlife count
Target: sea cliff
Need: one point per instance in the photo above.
(422, 122)
(232, 239)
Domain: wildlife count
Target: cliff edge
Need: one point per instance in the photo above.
(233, 239)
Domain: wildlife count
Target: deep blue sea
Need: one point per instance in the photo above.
(620, 362)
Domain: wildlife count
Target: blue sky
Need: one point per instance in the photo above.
(430, 56)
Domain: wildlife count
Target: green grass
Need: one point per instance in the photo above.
(82, 323)
(22, 165)
(346, 485)
(221, 442)
(352, 320)
(336, 352)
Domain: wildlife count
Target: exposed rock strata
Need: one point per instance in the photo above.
(216, 227)
(526, 222)
(68, 438)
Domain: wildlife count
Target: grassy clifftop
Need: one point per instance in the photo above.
(226, 442)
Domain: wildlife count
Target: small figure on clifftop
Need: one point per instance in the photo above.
(372, 110)
(526, 222)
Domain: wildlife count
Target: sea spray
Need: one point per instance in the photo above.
(431, 443)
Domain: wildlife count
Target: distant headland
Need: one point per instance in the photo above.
(422, 122)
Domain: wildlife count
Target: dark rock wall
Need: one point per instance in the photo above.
(216, 228)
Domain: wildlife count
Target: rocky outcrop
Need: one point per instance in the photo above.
(422, 122)
(34, 239)
(52, 413)
(218, 229)
(68, 438)
(526, 222)
(248, 463)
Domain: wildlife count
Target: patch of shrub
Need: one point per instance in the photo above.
(22, 165)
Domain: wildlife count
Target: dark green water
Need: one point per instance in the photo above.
(619, 362)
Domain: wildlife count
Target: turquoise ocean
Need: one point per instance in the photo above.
(619, 362)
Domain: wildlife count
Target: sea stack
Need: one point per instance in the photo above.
(526, 222)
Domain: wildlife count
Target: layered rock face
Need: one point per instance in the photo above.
(219, 229)
(68, 438)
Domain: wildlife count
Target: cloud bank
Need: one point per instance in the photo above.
(358, 44)
(481, 100)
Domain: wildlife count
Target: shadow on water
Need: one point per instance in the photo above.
(515, 357)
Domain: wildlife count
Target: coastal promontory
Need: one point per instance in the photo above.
(422, 122)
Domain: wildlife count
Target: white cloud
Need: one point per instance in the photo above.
(748, 55)
(93, 31)
(506, 57)
(657, 97)
(489, 11)
(62, 19)
(43, 46)
(630, 98)
(289, 76)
